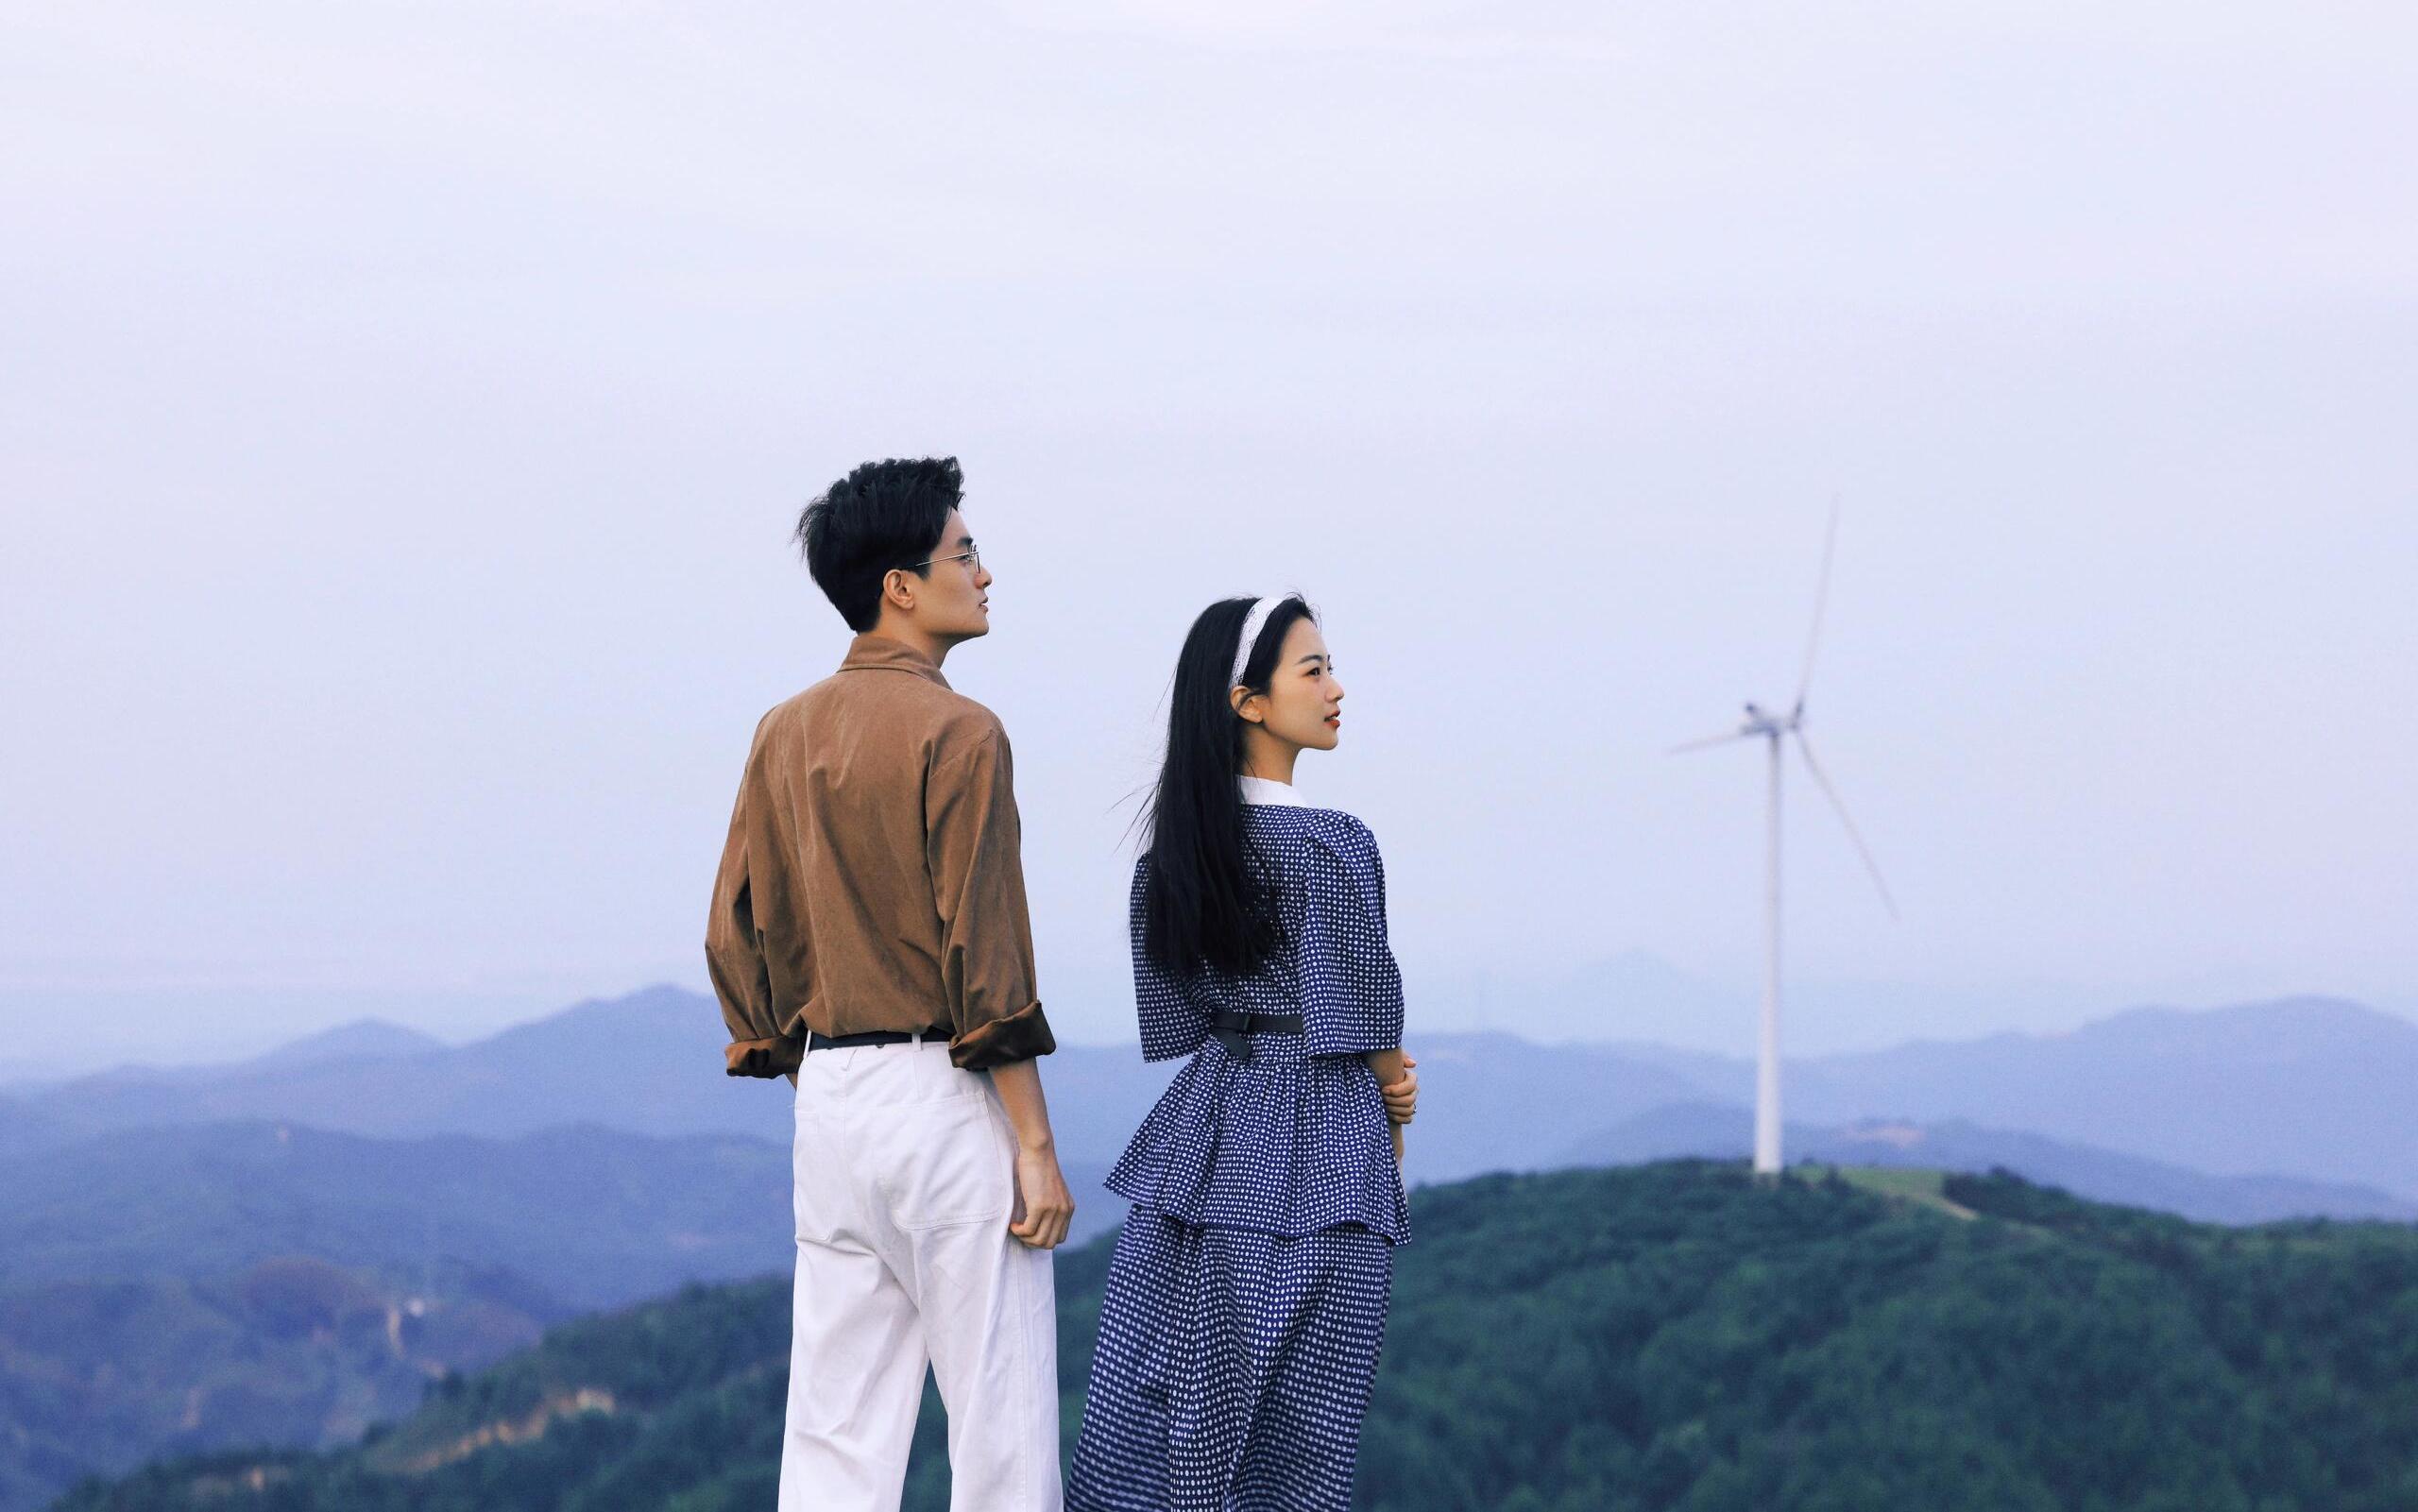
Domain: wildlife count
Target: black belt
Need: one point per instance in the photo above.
(817, 1040)
(1232, 1029)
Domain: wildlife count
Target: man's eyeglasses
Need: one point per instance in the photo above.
(974, 557)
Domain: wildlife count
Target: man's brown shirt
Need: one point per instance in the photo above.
(872, 878)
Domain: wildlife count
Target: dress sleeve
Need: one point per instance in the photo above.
(735, 946)
(1172, 1023)
(1351, 988)
(973, 847)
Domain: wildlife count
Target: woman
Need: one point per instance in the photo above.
(1246, 1299)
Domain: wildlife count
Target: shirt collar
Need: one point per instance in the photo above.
(1269, 790)
(878, 652)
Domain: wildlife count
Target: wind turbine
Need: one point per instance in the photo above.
(1773, 729)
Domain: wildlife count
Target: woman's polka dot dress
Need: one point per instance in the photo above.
(1246, 1299)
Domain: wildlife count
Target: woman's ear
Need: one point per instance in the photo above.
(1240, 699)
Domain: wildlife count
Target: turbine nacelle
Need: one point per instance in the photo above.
(1760, 720)
(1760, 723)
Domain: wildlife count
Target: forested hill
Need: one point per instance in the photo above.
(1658, 1336)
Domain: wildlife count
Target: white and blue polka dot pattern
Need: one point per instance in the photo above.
(1294, 1140)
(1232, 1369)
(1246, 1302)
(1284, 1144)
(1337, 972)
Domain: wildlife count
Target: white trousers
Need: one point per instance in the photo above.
(903, 1170)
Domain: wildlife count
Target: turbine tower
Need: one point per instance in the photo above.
(1774, 729)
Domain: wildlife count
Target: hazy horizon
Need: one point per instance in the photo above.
(1678, 1020)
(414, 403)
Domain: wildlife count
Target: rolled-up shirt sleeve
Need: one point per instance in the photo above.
(735, 953)
(973, 850)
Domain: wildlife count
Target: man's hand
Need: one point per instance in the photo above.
(1044, 1207)
(1402, 1096)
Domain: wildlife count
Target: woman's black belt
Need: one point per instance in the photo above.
(816, 1040)
(1233, 1029)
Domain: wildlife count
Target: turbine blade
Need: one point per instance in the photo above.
(1805, 749)
(1710, 740)
(1821, 599)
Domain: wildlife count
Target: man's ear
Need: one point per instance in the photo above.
(898, 589)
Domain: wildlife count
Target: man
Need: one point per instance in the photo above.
(869, 940)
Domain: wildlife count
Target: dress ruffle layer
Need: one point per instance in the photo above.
(1283, 1144)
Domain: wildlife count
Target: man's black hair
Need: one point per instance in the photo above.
(883, 515)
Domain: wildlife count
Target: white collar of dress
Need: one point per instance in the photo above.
(1269, 790)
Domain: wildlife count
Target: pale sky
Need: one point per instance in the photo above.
(407, 407)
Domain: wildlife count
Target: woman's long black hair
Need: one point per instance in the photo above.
(1205, 904)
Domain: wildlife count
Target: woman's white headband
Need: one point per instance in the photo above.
(1252, 623)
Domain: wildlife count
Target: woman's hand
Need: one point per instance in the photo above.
(1402, 1096)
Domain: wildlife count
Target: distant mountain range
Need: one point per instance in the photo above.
(2310, 1089)
(367, 1039)
(650, 1062)
(434, 1205)
(2306, 1100)
(178, 1289)
(1720, 1132)
(585, 1216)
(588, 1217)
(1671, 1337)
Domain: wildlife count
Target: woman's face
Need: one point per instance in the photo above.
(1303, 703)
